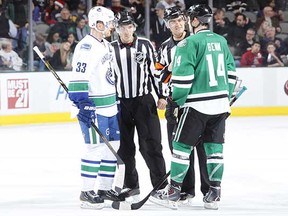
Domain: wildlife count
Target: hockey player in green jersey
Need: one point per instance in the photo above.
(203, 79)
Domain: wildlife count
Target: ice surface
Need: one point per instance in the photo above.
(39, 171)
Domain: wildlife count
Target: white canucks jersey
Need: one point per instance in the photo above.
(93, 75)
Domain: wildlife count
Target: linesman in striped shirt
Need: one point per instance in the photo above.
(134, 67)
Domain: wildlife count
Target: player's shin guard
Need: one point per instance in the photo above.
(180, 161)
(215, 163)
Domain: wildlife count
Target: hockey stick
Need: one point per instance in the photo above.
(239, 93)
(119, 180)
(122, 205)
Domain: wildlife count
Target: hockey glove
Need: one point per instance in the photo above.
(171, 113)
(86, 112)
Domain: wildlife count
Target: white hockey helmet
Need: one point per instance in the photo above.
(102, 14)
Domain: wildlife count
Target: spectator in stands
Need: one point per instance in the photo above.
(262, 29)
(238, 29)
(36, 12)
(62, 58)
(117, 6)
(8, 28)
(269, 15)
(58, 6)
(53, 43)
(49, 17)
(81, 29)
(246, 44)
(159, 30)
(40, 43)
(137, 9)
(63, 24)
(101, 3)
(173, 3)
(72, 40)
(79, 12)
(270, 36)
(272, 58)
(9, 58)
(220, 22)
(252, 57)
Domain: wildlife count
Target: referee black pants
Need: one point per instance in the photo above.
(140, 113)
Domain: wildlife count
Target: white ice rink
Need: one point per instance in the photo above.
(39, 171)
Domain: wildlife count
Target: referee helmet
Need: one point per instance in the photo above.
(172, 13)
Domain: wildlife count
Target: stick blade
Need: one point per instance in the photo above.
(121, 205)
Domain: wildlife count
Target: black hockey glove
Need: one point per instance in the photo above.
(86, 112)
(171, 113)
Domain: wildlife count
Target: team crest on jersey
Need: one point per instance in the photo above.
(110, 76)
(85, 46)
(139, 57)
(182, 43)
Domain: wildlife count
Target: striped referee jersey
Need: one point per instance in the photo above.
(135, 72)
(166, 54)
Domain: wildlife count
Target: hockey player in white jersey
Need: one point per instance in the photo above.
(93, 92)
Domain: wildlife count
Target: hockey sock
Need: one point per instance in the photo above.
(180, 161)
(90, 163)
(215, 163)
(107, 167)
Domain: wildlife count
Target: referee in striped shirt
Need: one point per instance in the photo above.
(134, 59)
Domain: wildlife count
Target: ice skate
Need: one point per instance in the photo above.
(110, 195)
(160, 197)
(167, 197)
(90, 200)
(185, 199)
(212, 198)
(130, 195)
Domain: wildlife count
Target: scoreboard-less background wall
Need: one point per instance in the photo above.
(37, 97)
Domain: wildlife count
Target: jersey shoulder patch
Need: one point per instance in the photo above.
(86, 46)
(182, 43)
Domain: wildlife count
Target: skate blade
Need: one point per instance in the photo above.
(156, 201)
(165, 203)
(187, 202)
(87, 205)
(212, 206)
(132, 199)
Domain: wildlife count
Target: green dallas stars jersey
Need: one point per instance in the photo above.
(203, 74)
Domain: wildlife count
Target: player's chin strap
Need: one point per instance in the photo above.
(119, 178)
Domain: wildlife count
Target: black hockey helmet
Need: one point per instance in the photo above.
(124, 18)
(201, 11)
(172, 13)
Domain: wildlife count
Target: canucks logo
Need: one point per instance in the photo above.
(139, 57)
(110, 76)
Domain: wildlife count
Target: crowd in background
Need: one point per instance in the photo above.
(256, 30)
